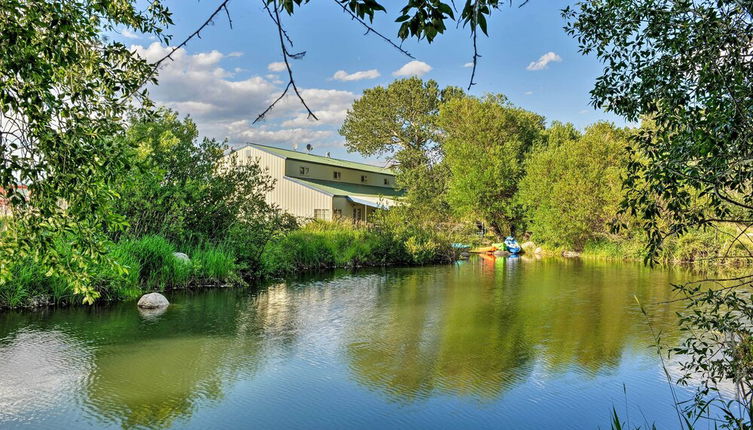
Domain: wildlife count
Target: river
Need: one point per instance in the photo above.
(488, 343)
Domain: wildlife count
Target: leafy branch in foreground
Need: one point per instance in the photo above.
(686, 68)
(418, 19)
(64, 94)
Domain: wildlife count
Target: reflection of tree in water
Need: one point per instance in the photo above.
(149, 375)
(474, 331)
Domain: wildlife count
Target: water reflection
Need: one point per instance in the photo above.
(473, 330)
(482, 329)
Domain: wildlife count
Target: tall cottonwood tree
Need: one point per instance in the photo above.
(485, 141)
(572, 185)
(399, 121)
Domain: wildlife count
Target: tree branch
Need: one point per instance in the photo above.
(220, 8)
(285, 54)
(370, 29)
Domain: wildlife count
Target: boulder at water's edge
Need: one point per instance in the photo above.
(153, 301)
(528, 246)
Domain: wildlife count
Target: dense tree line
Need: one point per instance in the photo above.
(467, 159)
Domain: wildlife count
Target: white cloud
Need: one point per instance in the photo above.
(239, 130)
(413, 68)
(128, 34)
(235, 54)
(330, 106)
(528, 93)
(276, 67)
(342, 75)
(198, 85)
(544, 61)
(468, 65)
(224, 106)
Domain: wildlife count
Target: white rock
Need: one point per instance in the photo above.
(181, 256)
(153, 301)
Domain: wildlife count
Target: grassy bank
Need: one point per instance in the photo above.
(343, 244)
(726, 245)
(150, 264)
(141, 265)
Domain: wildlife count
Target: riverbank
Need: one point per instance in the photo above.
(152, 263)
(723, 247)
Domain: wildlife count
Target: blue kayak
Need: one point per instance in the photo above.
(512, 245)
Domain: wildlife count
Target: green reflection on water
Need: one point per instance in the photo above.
(480, 328)
(474, 329)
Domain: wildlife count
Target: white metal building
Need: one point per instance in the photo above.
(314, 186)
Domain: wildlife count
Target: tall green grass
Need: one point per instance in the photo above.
(321, 244)
(213, 265)
(138, 266)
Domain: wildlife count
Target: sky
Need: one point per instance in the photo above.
(224, 79)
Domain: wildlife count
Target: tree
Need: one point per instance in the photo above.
(63, 97)
(188, 191)
(399, 121)
(687, 66)
(485, 141)
(572, 184)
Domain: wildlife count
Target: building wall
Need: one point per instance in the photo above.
(299, 200)
(325, 172)
(348, 209)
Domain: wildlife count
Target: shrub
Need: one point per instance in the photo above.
(342, 244)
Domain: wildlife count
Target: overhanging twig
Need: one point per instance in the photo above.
(370, 29)
(285, 54)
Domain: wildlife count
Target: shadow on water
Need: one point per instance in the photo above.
(475, 329)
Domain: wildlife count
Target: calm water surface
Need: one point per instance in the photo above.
(506, 343)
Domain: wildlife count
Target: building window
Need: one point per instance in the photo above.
(386, 181)
(303, 170)
(364, 178)
(337, 213)
(321, 213)
(337, 175)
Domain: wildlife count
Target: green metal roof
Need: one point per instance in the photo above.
(295, 155)
(346, 189)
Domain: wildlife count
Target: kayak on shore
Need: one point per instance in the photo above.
(512, 245)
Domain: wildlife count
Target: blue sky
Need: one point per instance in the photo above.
(227, 77)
